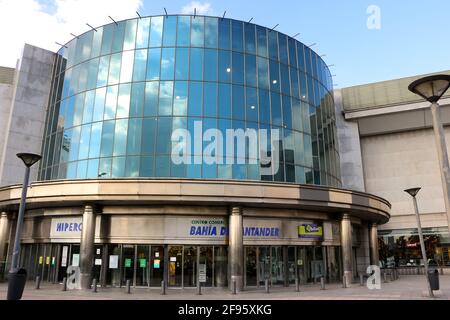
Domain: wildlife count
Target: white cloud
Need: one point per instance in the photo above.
(202, 8)
(25, 21)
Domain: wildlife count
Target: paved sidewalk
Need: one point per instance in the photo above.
(406, 288)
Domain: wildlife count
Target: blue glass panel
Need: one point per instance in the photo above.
(250, 70)
(181, 98)
(130, 35)
(120, 137)
(282, 43)
(210, 99)
(164, 142)
(211, 32)
(111, 102)
(69, 112)
(140, 65)
(300, 57)
(137, 99)
(210, 65)
(198, 32)
(238, 102)
(88, 106)
(107, 39)
(285, 83)
(182, 64)
(184, 31)
(134, 137)
(195, 99)
(308, 61)
(224, 100)
(250, 43)
(273, 45)
(92, 169)
(263, 73)
(238, 68)
(224, 66)
(224, 34)
(287, 112)
(105, 168)
(303, 87)
(146, 167)
(297, 120)
(151, 98)
(84, 141)
(123, 101)
(143, 32)
(153, 64)
(119, 33)
(96, 136)
(148, 136)
(114, 69)
(196, 64)
(264, 106)
(276, 109)
(78, 109)
(261, 36)
(81, 169)
(74, 143)
(170, 31)
(132, 167)
(92, 74)
(156, 31)
(99, 104)
(237, 36)
(251, 104)
(274, 76)
(167, 63)
(118, 167)
(165, 98)
(102, 77)
(292, 53)
(295, 91)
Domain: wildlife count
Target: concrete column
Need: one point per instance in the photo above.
(236, 248)
(346, 247)
(373, 243)
(5, 228)
(87, 246)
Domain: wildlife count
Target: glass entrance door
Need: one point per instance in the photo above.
(156, 265)
(190, 267)
(277, 266)
(127, 263)
(205, 266)
(175, 266)
(250, 266)
(143, 267)
(264, 264)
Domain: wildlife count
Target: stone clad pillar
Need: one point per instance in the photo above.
(236, 248)
(373, 244)
(5, 228)
(346, 247)
(87, 247)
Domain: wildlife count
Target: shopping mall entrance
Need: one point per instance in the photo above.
(282, 264)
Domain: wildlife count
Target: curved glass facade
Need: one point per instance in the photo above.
(119, 91)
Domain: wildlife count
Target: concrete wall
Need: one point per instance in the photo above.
(25, 126)
(6, 92)
(349, 149)
(397, 161)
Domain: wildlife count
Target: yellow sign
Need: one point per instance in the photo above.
(47, 260)
(311, 231)
(41, 259)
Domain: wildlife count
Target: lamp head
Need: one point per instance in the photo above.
(413, 191)
(431, 88)
(29, 158)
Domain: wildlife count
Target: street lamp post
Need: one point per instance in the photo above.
(15, 287)
(432, 88)
(413, 192)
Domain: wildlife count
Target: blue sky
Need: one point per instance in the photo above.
(413, 37)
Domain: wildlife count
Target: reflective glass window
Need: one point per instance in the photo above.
(261, 36)
(156, 31)
(148, 136)
(282, 43)
(69, 112)
(300, 57)
(81, 169)
(120, 137)
(224, 100)
(251, 107)
(211, 32)
(195, 99)
(210, 72)
(182, 64)
(274, 68)
(285, 83)
(170, 31)
(276, 108)
(140, 65)
(224, 34)
(250, 70)
(292, 52)
(153, 64)
(143, 31)
(72, 170)
(263, 73)
(165, 98)
(92, 169)
(167, 63)
(184, 31)
(146, 167)
(163, 143)
(88, 106)
(82, 78)
(99, 104)
(111, 102)
(197, 32)
(126, 70)
(129, 42)
(104, 168)
(196, 64)
(132, 167)
(151, 98)
(134, 137)
(97, 43)
(118, 167)
(114, 68)
(250, 43)
(287, 112)
(85, 135)
(237, 35)
(180, 98)
(137, 99)
(102, 77)
(119, 33)
(210, 99)
(295, 91)
(297, 119)
(78, 109)
(308, 65)
(74, 143)
(96, 136)
(224, 66)
(238, 68)
(123, 101)
(273, 45)
(264, 106)
(92, 74)
(162, 166)
(238, 111)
